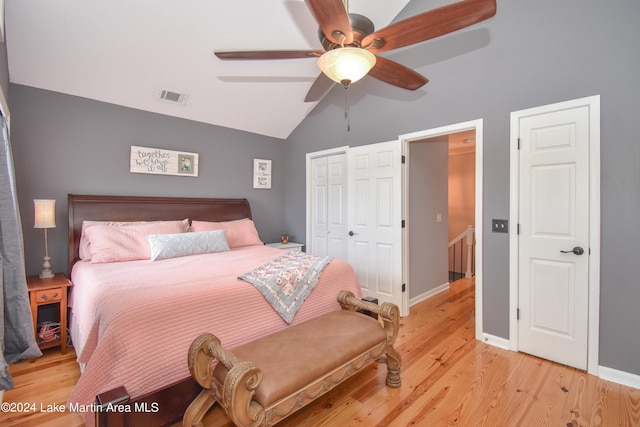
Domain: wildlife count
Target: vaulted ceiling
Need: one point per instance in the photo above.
(126, 52)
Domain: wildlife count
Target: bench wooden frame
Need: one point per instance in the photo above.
(236, 393)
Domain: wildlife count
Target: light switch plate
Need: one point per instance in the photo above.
(500, 225)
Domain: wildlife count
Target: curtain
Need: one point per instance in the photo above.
(17, 342)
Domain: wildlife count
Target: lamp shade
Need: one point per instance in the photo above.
(45, 213)
(346, 64)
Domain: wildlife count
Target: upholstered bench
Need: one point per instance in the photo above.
(266, 380)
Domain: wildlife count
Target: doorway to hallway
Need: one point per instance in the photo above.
(415, 220)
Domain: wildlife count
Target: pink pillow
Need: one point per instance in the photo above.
(113, 243)
(84, 251)
(241, 232)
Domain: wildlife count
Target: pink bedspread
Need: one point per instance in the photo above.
(133, 322)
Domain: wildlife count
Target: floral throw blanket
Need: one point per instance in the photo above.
(287, 280)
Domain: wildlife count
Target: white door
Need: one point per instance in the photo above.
(329, 205)
(337, 238)
(553, 239)
(319, 202)
(375, 219)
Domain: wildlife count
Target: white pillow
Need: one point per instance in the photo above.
(164, 246)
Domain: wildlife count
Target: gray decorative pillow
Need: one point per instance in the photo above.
(164, 246)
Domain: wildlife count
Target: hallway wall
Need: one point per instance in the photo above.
(462, 192)
(427, 237)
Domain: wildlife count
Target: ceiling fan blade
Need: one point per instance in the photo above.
(332, 17)
(319, 89)
(396, 74)
(270, 54)
(430, 24)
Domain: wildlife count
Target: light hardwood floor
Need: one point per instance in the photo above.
(449, 379)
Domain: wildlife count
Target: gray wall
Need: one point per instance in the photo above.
(428, 183)
(4, 70)
(462, 184)
(529, 54)
(65, 144)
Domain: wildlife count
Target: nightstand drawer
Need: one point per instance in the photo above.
(49, 295)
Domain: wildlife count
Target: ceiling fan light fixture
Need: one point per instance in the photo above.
(346, 65)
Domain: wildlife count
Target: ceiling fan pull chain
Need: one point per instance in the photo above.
(346, 109)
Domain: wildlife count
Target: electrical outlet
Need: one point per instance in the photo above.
(500, 225)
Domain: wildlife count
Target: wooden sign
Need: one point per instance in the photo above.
(163, 162)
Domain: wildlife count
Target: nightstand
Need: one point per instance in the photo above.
(291, 246)
(45, 292)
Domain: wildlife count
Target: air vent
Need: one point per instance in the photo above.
(173, 97)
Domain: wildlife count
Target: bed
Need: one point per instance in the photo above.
(132, 320)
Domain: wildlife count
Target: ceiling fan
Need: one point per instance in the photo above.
(351, 43)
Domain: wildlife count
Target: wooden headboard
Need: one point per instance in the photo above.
(145, 208)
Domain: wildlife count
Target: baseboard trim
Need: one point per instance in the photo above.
(620, 377)
(495, 341)
(425, 296)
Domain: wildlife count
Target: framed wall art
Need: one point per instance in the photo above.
(261, 173)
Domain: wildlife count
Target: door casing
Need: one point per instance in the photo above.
(593, 103)
(405, 140)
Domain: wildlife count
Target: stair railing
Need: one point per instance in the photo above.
(460, 258)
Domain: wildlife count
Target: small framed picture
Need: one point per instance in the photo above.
(186, 163)
(261, 173)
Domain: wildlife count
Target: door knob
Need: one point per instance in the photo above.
(351, 233)
(577, 250)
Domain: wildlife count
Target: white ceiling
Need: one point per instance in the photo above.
(126, 52)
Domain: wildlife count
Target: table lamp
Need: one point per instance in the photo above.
(45, 217)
